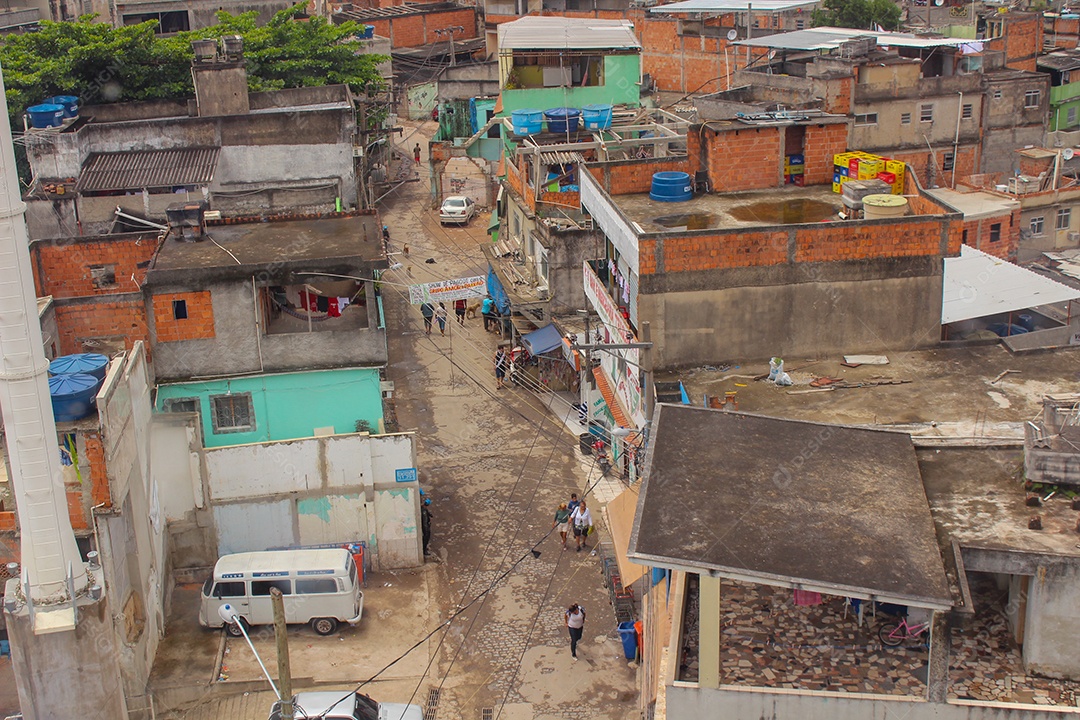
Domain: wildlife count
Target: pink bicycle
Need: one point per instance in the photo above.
(896, 633)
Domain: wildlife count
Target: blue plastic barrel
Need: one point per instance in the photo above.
(527, 121)
(628, 635)
(70, 103)
(562, 120)
(596, 117)
(46, 115)
(1027, 322)
(73, 396)
(367, 32)
(671, 187)
(88, 363)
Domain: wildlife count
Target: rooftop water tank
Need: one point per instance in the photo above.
(671, 187)
(562, 120)
(46, 115)
(73, 396)
(70, 103)
(527, 121)
(87, 363)
(880, 207)
(596, 117)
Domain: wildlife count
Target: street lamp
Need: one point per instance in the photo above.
(228, 614)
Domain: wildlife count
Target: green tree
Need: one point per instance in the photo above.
(103, 64)
(859, 14)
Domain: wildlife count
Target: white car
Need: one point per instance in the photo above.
(457, 209)
(346, 705)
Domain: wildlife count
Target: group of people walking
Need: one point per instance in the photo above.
(575, 516)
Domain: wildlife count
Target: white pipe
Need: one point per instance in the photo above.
(140, 220)
(48, 542)
(956, 140)
(258, 330)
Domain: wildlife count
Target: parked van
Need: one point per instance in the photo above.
(320, 587)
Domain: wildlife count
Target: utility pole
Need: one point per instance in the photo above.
(647, 370)
(282, 638)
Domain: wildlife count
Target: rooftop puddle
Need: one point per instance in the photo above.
(785, 212)
(688, 221)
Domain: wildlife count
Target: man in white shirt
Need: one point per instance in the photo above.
(575, 623)
(581, 519)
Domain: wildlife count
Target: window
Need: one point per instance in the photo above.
(947, 161)
(103, 276)
(867, 119)
(1037, 226)
(179, 309)
(316, 586)
(232, 413)
(1070, 116)
(997, 94)
(966, 112)
(995, 232)
(229, 589)
(1031, 98)
(800, 24)
(926, 113)
(905, 118)
(182, 405)
(261, 588)
(1064, 218)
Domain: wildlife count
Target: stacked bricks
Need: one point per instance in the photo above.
(62, 269)
(199, 323)
(123, 316)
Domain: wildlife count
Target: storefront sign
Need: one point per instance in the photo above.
(405, 475)
(448, 290)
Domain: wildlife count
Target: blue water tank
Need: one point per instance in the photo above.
(562, 120)
(70, 103)
(87, 363)
(73, 396)
(527, 121)
(596, 117)
(671, 187)
(628, 635)
(367, 32)
(46, 115)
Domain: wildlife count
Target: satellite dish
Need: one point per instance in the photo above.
(939, 3)
(732, 34)
(1067, 154)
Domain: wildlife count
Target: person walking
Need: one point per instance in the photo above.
(428, 311)
(487, 309)
(416, 153)
(574, 502)
(575, 623)
(562, 522)
(460, 308)
(440, 317)
(502, 364)
(582, 521)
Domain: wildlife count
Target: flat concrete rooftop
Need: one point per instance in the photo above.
(789, 503)
(775, 206)
(272, 247)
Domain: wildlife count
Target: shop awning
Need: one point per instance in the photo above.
(543, 340)
(617, 413)
(620, 517)
(977, 285)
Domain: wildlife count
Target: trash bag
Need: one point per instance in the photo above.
(783, 379)
(776, 366)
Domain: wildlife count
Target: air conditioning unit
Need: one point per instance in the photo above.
(543, 292)
(1074, 237)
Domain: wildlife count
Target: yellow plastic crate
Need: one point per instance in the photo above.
(837, 187)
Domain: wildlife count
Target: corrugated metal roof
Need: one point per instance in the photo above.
(1059, 61)
(727, 6)
(140, 169)
(561, 158)
(977, 285)
(558, 33)
(829, 38)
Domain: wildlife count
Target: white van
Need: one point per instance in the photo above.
(319, 587)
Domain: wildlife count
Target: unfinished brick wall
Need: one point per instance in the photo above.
(419, 29)
(1061, 32)
(731, 250)
(746, 158)
(931, 174)
(627, 177)
(515, 178)
(65, 269)
(199, 323)
(820, 144)
(979, 235)
(123, 316)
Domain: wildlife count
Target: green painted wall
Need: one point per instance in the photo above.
(1062, 98)
(288, 406)
(622, 73)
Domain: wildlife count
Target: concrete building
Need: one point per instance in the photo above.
(234, 149)
(992, 223)
(413, 24)
(725, 637)
(1062, 66)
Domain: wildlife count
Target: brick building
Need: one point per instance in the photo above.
(413, 24)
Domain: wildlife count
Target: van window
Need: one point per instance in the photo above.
(262, 587)
(316, 586)
(209, 584)
(229, 589)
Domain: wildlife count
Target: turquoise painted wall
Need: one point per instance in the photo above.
(622, 73)
(288, 406)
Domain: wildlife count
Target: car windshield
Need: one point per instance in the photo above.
(366, 708)
(456, 203)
